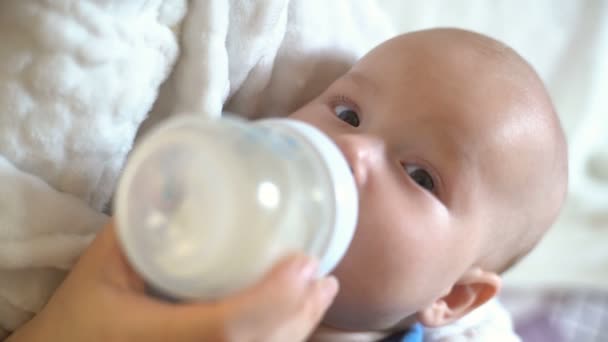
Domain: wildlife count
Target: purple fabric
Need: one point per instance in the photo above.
(559, 315)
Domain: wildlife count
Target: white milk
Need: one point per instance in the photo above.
(206, 207)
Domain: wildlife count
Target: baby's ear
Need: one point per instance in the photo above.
(473, 289)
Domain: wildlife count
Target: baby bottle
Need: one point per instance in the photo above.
(206, 207)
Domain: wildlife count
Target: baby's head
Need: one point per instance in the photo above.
(461, 166)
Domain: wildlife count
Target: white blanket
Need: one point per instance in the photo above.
(78, 78)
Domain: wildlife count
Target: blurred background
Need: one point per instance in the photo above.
(560, 292)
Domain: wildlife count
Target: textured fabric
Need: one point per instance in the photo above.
(559, 315)
(76, 78)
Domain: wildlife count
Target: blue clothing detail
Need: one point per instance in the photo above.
(414, 334)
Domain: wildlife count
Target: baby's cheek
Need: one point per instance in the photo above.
(378, 277)
(371, 297)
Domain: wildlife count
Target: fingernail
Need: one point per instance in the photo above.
(329, 288)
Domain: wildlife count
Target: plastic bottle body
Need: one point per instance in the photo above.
(205, 208)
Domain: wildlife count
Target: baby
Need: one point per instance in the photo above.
(461, 166)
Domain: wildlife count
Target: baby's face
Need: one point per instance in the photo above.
(427, 138)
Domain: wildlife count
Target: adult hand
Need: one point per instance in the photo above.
(103, 299)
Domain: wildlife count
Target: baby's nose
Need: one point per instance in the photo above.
(363, 154)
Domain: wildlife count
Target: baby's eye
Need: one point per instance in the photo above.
(347, 114)
(421, 176)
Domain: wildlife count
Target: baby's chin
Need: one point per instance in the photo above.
(362, 315)
(327, 333)
(343, 331)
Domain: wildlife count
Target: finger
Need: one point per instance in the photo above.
(253, 313)
(284, 283)
(304, 322)
(287, 305)
(322, 294)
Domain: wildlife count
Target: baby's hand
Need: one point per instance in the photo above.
(103, 299)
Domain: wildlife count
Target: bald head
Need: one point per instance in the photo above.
(499, 102)
(537, 165)
(534, 165)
